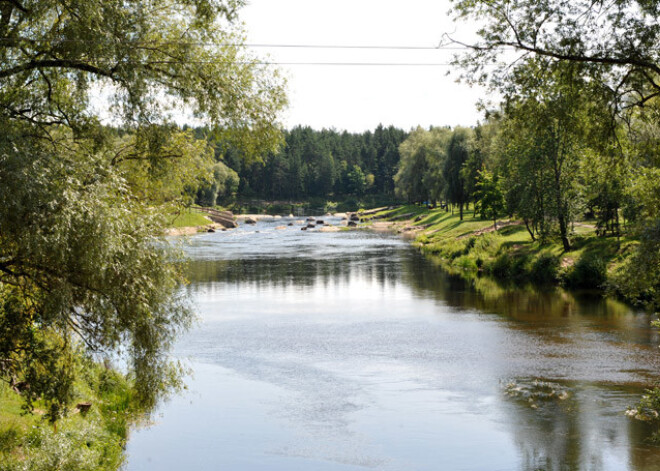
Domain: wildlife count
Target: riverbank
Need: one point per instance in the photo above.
(473, 246)
(92, 436)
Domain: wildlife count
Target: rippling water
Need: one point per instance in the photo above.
(350, 351)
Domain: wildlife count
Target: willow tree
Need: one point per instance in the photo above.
(617, 42)
(82, 268)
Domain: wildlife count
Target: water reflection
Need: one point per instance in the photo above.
(346, 351)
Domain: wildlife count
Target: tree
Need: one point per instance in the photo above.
(223, 184)
(458, 153)
(413, 166)
(83, 269)
(488, 196)
(617, 42)
(357, 182)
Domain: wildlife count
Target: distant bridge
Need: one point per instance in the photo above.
(224, 218)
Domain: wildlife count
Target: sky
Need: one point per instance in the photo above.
(358, 98)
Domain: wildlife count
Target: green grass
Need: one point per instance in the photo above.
(470, 246)
(188, 218)
(90, 442)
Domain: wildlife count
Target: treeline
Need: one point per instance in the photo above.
(307, 164)
(552, 159)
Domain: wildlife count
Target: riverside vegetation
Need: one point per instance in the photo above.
(84, 272)
(85, 275)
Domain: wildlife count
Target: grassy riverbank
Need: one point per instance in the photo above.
(187, 218)
(473, 245)
(81, 441)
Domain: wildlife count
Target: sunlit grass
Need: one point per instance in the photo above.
(188, 218)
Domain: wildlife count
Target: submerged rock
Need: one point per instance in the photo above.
(536, 391)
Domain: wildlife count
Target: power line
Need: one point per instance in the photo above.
(439, 47)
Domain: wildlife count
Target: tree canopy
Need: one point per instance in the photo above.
(83, 267)
(617, 42)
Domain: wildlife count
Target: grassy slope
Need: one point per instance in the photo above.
(94, 441)
(509, 252)
(188, 218)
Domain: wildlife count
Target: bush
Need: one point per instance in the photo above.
(520, 266)
(502, 266)
(465, 262)
(545, 269)
(648, 410)
(9, 437)
(589, 272)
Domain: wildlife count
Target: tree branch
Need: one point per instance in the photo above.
(58, 64)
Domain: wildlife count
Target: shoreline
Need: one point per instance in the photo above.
(505, 253)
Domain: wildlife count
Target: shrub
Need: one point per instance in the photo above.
(502, 266)
(465, 262)
(519, 266)
(545, 269)
(589, 272)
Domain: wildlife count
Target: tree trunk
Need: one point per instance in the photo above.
(460, 209)
(561, 210)
(531, 233)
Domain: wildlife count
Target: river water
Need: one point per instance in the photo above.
(350, 351)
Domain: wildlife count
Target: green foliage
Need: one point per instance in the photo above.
(83, 267)
(222, 186)
(458, 152)
(545, 268)
(319, 164)
(488, 196)
(589, 272)
(90, 441)
(617, 42)
(356, 181)
(648, 410)
(423, 155)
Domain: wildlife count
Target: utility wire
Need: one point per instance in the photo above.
(439, 47)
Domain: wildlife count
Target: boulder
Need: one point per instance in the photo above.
(279, 228)
(303, 228)
(311, 218)
(290, 224)
(352, 224)
(250, 220)
(320, 222)
(311, 226)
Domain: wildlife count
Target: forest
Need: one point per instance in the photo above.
(325, 164)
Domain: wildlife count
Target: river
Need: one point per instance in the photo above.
(350, 351)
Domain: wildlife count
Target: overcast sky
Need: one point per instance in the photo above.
(357, 98)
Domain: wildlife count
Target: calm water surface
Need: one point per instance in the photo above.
(349, 351)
